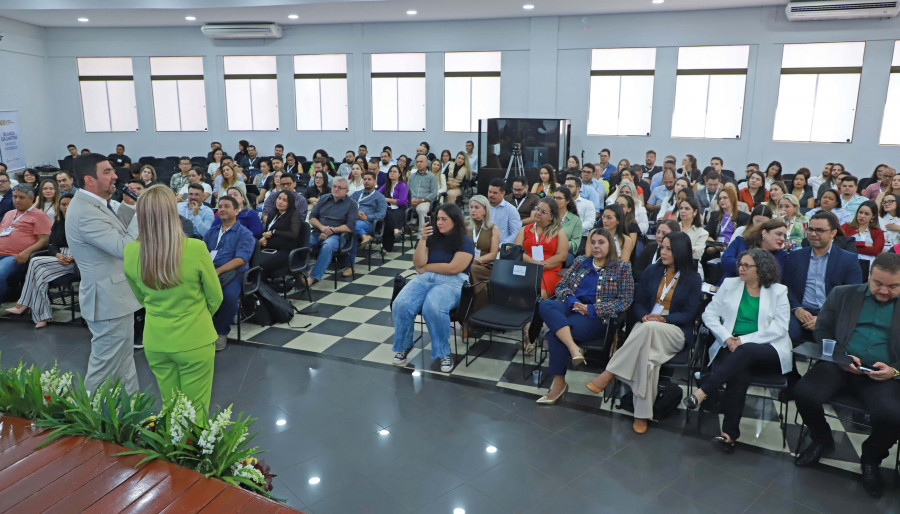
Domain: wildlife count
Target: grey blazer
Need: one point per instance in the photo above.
(97, 239)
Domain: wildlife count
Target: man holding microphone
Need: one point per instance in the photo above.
(97, 236)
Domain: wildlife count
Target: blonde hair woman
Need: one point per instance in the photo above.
(170, 273)
(458, 172)
(486, 237)
(437, 170)
(227, 177)
(544, 242)
(47, 199)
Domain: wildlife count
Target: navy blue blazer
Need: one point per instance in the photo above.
(685, 299)
(842, 269)
(6, 204)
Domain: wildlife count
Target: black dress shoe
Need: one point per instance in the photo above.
(872, 482)
(812, 454)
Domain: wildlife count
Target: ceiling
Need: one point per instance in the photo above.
(169, 13)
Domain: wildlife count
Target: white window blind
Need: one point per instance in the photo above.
(320, 86)
(179, 95)
(890, 124)
(108, 101)
(709, 91)
(251, 92)
(471, 89)
(398, 92)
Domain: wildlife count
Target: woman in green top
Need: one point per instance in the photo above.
(571, 223)
(749, 318)
(173, 277)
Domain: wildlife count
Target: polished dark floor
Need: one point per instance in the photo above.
(382, 440)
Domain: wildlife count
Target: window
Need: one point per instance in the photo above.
(179, 96)
(107, 94)
(709, 91)
(398, 92)
(471, 89)
(251, 92)
(621, 98)
(890, 125)
(320, 85)
(818, 92)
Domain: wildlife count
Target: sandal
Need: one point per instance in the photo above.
(691, 402)
(722, 443)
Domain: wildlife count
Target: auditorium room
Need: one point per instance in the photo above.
(460, 257)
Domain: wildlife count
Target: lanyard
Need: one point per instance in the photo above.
(520, 202)
(726, 218)
(20, 216)
(669, 286)
(365, 195)
(476, 236)
(221, 233)
(271, 223)
(538, 239)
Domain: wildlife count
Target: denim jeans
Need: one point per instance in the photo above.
(223, 317)
(434, 295)
(8, 268)
(362, 227)
(326, 248)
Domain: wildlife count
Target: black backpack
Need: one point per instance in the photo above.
(272, 307)
(668, 396)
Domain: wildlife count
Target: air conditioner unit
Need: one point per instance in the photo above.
(242, 30)
(813, 10)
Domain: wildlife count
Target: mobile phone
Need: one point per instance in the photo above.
(865, 369)
(428, 219)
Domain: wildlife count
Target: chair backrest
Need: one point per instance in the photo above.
(515, 284)
(254, 259)
(378, 228)
(251, 280)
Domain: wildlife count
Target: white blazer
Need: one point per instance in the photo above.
(773, 320)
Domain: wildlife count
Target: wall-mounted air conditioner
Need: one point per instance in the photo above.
(812, 10)
(242, 30)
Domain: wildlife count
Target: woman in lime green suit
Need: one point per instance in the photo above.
(174, 279)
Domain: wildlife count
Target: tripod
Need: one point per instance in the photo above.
(515, 163)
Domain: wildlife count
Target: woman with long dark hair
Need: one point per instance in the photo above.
(665, 305)
(755, 193)
(173, 277)
(769, 235)
(773, 173)
(800, 188)
(724, 222)
(443, 258)
(546, 184)
(890, 219)
(396, 194)
(570, 222)
(864, 227)
(280, 234)
(613, 219)
(650, 254)
(692, 225)
(597, 286)
(318, 188)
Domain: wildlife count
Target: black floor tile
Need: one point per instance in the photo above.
(275, 336)
(382, 319)
(353, 348)
(334, 327)
(360, 289)
(371, 302)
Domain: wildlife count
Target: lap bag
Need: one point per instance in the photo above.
(511, 252)
(668, 396)
(272, 307)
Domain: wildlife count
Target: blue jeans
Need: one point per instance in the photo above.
(556, 315)
(326, 248)
(362, 227)
(225, 315)
(8, 268)
(434, 295)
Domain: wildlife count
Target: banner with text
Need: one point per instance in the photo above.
(12, 153)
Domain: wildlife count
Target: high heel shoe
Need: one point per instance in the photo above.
(723, 443)
(639, 425)
(579, 359)
(17, 310)
(40, 324)
(594, 389)
(691, 402)
(545, 400)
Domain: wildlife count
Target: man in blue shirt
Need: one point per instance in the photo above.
(503, 214)
(850, 201)
(592, 188)
(372, 207)
(250, 163)
(605, 168)
(661, 192)
(231, 247)
(333, 215)
(195, 211)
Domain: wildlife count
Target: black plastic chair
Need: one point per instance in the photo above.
(347, 240)
(64, 293)
(412, 220)
(200, 160)
(513, 294)
(377, 235)
(250, 282)
(285, 281)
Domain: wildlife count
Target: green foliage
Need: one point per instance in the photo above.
(217, 448)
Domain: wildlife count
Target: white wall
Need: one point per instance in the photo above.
(545, 74)
(23, 85)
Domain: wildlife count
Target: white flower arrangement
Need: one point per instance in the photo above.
(183, 414)
(54, 382)
(248, 471)
(213, 434)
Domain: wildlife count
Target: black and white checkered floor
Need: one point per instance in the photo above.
(353, 322)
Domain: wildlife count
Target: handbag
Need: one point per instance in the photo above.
(511, 252)
(399, 283)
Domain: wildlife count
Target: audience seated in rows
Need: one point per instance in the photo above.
(522, 200)
(544, 242)
(23, 231)
(372, 207)
(280, 235)
(503, 214)
(332, 217)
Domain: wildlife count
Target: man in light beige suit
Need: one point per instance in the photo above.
(97, 237)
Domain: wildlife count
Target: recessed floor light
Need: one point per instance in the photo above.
(417, 373)
(412, 12)
(314, 480)
(281, 422)
(528, 7)
(83, 20)
(293, 16)
(384, 431)
(657, 1)
(491, 449)
(459, 511)
(190, 18)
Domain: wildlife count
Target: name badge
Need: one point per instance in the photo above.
(537, 252)
(657, 309)
(477, 253)
(6, 232)
(213, 254)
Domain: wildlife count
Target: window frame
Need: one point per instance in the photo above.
(621, 73)
(177, 79)
(398, 76)
(319, 76)
(250, 77)
(106, 79)
(471, 75)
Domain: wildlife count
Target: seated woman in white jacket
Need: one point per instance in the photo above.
(749, 318)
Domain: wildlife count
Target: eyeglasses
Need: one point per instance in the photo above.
(745, 267)
(339, 188)
(888, 201)
(542, 211)
(4, 181)
(818, 231)
(559, 198)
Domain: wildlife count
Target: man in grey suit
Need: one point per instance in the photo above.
(97, 237)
